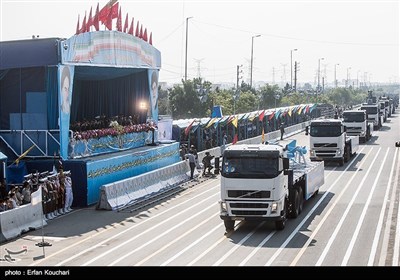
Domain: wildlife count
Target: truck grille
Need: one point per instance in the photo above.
(248, 213)
(248, 194)
(325, 154)
(249, 205)
(331, 145)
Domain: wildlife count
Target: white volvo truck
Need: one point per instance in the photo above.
(373, 115)
(263, 182)
(357, 124)
(329, 141)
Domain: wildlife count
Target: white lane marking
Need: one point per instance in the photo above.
(363, 213)
(206, 251)
(244, 239)
(126, 230)
(190, 246)
(315, 231)
(175, 240)
(378, 229)
(265, 240)
(395, 261)
(256, 249)
(344, 215)
(151, 240)
(290, 237)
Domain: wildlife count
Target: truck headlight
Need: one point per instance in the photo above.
(312, 153)
(338, 152)
(224, 207)
(274, 207)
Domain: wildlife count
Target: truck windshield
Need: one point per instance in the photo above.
(325, 130)
(370, 110)
(250, 167)
(353, 117)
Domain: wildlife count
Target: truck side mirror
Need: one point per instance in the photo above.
(344, 128)
(285, 163)
(307, 130)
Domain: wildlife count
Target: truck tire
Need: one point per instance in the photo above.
(347, 154)
(301, 199)
(280, 225)
(229, 225)
(294, 203)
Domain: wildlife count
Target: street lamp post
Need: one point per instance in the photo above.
(291, 68)
(186, 49)
(319, 72)
(347, 77)
(251, 59)
(335, 75)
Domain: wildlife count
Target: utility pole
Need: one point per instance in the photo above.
(238, 71)
(251, 59)
(273, 75)
(291, 68)
(335, 75)
(186, 49)
(295, 76)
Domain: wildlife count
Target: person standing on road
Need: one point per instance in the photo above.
(192, 162)
(282, 129)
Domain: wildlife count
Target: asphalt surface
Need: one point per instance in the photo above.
(351, 222)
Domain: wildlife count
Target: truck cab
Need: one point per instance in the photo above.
(373, 115)
(329, 141)
(260, 182)
(382, 110)
(356, 124)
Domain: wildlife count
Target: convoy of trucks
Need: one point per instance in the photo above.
(266, 182)
(262, 182)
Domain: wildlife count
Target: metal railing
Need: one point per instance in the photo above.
(18, 141)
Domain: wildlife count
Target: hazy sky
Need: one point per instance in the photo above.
(361, 36)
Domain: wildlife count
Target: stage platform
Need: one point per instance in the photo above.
(90, 173)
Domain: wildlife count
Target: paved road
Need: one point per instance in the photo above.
(351, 222)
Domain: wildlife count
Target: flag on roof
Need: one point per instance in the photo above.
(187, 129)
(235, 121)
(261, 116)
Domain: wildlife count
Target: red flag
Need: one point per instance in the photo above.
(77, 27)
(271, 116)
(83, 28)
(108, 23)
(137, 29)
(89, 23)
(141, 32)
(119, 21)
(96, 19)
(187, 129)
(235, 139)
(114, 11)
(103, 14)
(131, 28)
(151, 39)
(126, 23)
(261, 116)
(145, 34)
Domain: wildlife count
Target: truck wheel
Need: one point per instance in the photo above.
(280, 225)
(347, 154)
(294, 203)
(229, 225)
(301, 200)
